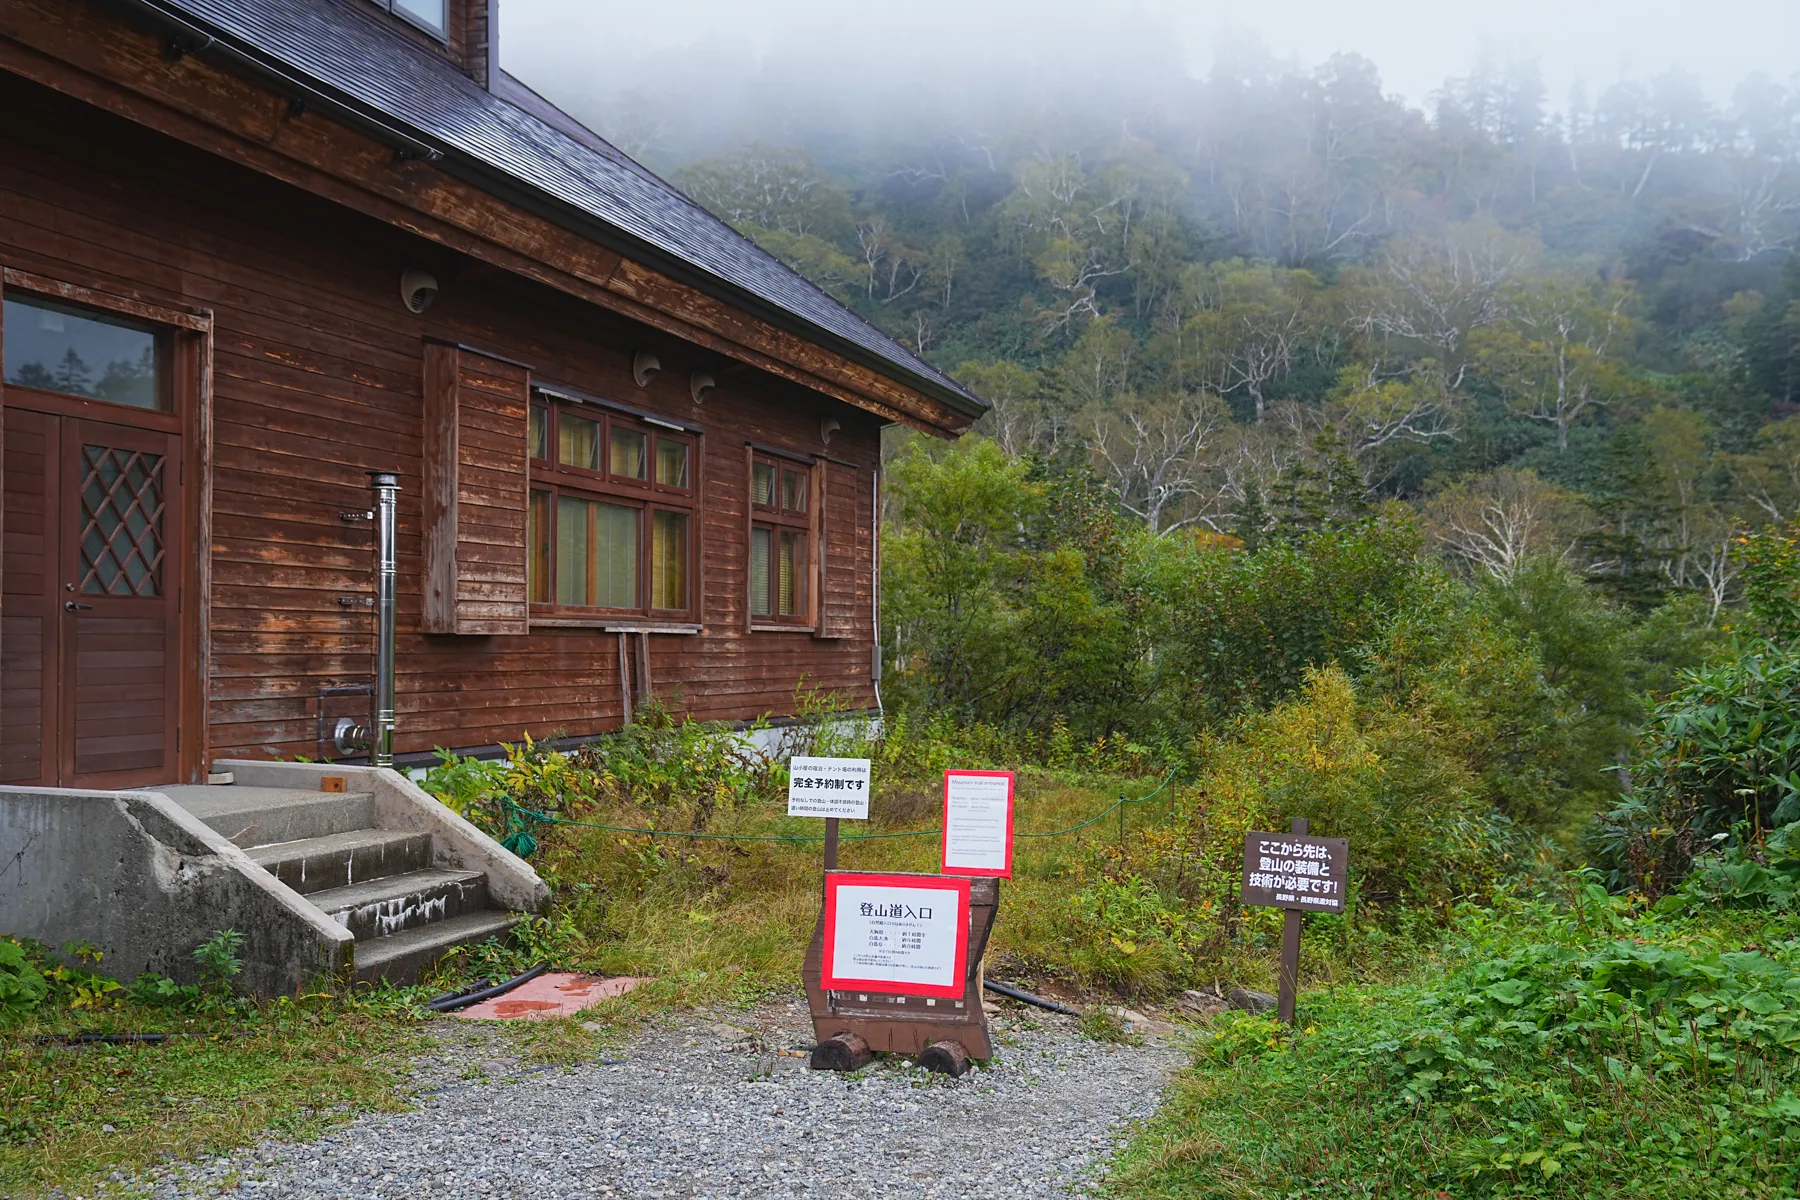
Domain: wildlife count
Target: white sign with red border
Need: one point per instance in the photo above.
(905, 934)
(978, 823)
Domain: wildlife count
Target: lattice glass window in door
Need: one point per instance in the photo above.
(122, 501)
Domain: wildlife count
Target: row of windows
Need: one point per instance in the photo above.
(611, 520)
(610, 525)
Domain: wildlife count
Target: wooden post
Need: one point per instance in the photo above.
(1290, 947)
(831, 843)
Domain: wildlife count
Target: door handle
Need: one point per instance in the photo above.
(71, 606)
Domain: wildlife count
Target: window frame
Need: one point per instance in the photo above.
(778, 518)
(548, 475)
(442, 35)
(165, 352)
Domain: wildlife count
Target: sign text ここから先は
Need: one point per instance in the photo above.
(1296, 870)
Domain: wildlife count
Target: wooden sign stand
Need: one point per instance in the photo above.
(1290, 947)
(1299, 874)
(945, 1033)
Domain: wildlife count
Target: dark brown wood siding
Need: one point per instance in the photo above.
(28, 602)
(846, 519)
(318, 378)
(474, 493)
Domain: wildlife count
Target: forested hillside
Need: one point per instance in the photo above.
(1274, 294)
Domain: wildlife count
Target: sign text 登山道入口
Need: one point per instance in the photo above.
(904, 934)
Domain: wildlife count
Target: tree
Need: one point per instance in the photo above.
(1372, 413)
(1251, 324)
(948, 558)
(70, 374)
(1100, 365)
(1499, 521)
(1070, 227)
(1553, 356)
(1018, 419)
(1155, 454)
(1769, 475)
(1424, 295)
(772, 188)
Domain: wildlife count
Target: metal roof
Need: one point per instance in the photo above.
(351, 54)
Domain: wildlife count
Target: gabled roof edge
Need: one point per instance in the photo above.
(195, 36)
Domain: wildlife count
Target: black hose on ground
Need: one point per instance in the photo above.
(456, 1000)
(77, 1040)
(1006, 989)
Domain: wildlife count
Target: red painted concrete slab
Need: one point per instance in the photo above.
(550, 996)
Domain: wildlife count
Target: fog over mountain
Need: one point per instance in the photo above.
(1253, 267)
(589, 54)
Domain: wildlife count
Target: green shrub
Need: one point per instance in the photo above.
(1722, 753)
(1580, 1044)
(22, 984)
(1747, 875)
(217, 958)
(1238, 632)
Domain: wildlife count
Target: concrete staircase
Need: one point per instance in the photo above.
(390, 887)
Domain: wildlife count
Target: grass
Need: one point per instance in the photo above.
(1616, 1054)
(728, 922)
(714, 924)
(72, 1117)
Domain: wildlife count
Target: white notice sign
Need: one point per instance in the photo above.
(978, 823)
(828, 787)
(896, 933)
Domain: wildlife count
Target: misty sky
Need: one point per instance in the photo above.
(558, 44)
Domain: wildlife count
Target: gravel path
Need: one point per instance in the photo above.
(710, 1106)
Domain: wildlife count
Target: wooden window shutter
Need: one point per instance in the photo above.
(476, 412)
(846, 524)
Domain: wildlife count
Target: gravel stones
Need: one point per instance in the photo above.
(697, 1109)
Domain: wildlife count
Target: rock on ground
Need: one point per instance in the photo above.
(709, 1106)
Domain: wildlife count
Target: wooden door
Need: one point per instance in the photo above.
(120, 618)
(91, 642)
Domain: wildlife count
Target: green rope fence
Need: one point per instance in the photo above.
(522, 824)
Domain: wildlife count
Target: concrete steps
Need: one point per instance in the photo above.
(253, 816)
(380, 884)
(398, 903)
(404, 956)
(341, 859)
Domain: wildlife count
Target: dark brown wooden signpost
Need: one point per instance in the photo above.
(945, 1031)
(895, 961)
(1298, 873)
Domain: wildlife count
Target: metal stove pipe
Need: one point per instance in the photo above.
(386, 485)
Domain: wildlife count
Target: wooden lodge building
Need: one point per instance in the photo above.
(254, 251)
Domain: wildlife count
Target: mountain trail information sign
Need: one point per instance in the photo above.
(901, 934)
(1300, 873)
(978, 823)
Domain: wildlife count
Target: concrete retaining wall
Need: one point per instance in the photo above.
(146, 882)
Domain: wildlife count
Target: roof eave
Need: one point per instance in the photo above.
(411, 141)
(541, 203)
